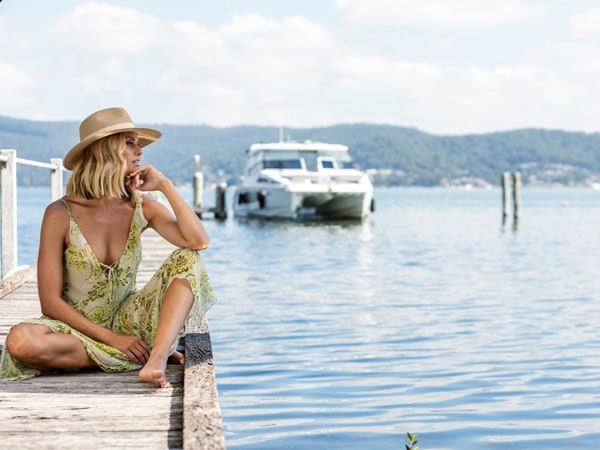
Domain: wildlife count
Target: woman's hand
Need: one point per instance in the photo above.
(135, 348)
(179, 224)
(147, 178)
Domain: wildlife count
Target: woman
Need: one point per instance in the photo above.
(93, 315)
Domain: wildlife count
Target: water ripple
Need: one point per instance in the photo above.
(428, 318)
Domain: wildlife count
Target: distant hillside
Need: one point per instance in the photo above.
(403, 156)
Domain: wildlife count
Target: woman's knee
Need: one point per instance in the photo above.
(21, 343)
(181, 283)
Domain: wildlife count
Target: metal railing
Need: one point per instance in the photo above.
(8, 201)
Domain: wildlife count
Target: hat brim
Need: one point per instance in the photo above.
(145, 136)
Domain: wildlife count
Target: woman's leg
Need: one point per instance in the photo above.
(175, 307)
(38, 347)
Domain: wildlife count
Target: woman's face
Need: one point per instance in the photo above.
(133, 152)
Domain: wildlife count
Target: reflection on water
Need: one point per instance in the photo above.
(429, 318)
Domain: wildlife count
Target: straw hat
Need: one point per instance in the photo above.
(104, 123)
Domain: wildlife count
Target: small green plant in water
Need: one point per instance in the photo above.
(412, 442)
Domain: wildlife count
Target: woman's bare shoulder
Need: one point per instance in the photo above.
(56, 210)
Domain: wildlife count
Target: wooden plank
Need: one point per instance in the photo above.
(16, 279)
(102, 410)
(97, 410)
(202, 422)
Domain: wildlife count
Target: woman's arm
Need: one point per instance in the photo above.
(55, 227)
(184, 229)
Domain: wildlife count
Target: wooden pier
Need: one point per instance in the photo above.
(97, 410)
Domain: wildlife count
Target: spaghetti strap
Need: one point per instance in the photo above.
(68, 207)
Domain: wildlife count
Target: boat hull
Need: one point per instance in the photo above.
(290, 204)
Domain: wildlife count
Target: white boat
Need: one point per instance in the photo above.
(293, 180)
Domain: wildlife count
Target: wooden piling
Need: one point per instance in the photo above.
(516, 182)
(219, 211)
(220, 207)
(505, 183)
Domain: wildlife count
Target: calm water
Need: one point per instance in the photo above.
(427, 318)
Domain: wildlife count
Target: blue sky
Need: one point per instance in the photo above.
(443, 66)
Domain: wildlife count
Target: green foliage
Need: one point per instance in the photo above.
(412, 157)
(412, 442)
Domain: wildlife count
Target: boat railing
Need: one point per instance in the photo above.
(324, 177)
(8, 201)
(356, 177)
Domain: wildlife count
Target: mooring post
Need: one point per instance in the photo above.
(516, 179)
(505, 183)
(220, 207)
(198, 185)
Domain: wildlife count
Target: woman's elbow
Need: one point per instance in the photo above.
(200, 245)
(47, 310)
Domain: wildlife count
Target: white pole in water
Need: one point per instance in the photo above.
(198, 184)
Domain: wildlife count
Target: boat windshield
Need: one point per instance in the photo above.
(282, 164)
(311, 160)
(326, 160)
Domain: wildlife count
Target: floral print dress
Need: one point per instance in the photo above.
(107, 295)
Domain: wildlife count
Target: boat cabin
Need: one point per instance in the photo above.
(311, 157)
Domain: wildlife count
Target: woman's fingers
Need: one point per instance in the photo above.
(146, 178)
(142, 351)
(141, 173)
(138, 351)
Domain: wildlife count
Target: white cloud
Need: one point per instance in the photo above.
(454, 14)
(367, 73)
(470, 99)
(106, 29)
(256, 52)
(200, 100)
(112, 74)
(12, 42)
(18, 88)
(245, 66)
(295, 72)
(221, 75)
(564, 52)
(585, 25)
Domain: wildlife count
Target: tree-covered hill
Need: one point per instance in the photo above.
(405, 156)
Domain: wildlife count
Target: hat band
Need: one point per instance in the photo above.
(116, 127)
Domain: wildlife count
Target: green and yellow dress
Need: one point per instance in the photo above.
(108, 296)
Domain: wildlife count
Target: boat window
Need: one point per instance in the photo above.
(327, 163)
(282, 164)
(310, 159)
(243, 198)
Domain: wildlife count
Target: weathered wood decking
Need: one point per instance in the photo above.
(92, 409)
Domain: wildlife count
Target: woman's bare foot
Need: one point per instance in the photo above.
(154, 372)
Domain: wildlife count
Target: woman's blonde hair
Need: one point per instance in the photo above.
(100, 171)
